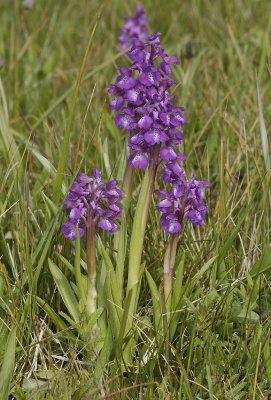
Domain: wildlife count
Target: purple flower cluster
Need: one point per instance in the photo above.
(144, 103)
(135, 27)
(185, 199)
(153, 123)
(91, 199)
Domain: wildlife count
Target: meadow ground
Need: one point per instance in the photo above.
(219, 341)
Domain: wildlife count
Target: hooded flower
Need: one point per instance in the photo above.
(89, 199)
(135, 27)
(185, 199)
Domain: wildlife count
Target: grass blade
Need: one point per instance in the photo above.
(264, 137)
(8, 365)
(156, 302)
(65, 291)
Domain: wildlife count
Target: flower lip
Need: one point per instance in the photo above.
(155, 135)
(117, 103)
(124, 121)
(138, 160)
(145, 122)
(125, 82)
(168, 154)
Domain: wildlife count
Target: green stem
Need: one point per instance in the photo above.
(120, 236)
(127, 186)
(169, 262)
(91, 266)
(136, 245)
(77, 270)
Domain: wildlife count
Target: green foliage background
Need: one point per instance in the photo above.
(222, 346)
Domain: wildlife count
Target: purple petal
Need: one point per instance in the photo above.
(124, 121)
(76, 213)
(114, 192)
(116, 207)
(164, 204)
(177, 169)
(168, 154)
(171, 226)
(195, 217)
(136, 138)
(69, 230)
(84, 178)
(171, 60)
(145, 122)
(166, 68)
(181, 156)
(107, 225)
(175, 133)
(136, 55)
(155, 136)
(149, 78)
(113, 90)
(77, 189)
(178, 190)
(72, 196)
(165, 118)
(174, 227)
(134, 96)
(96, 174)
(117, 103)
(178, 120)
(146, 79)
(125, 82)
(139, 160)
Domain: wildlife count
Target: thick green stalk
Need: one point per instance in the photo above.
(169, 262)
(127, 186)
(91, 266)
(120, 236)
(136, 246)
(77, 270)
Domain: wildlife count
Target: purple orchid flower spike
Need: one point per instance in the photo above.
(185, 199)
(135, 27)
(144, 103)
(91, 203)
(90, 198)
